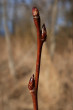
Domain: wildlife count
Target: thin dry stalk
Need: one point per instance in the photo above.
(52, 34)
(7, 37)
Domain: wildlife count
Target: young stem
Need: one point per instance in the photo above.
(39, 49)
(34, 99)
(41, 37)
(31, 86)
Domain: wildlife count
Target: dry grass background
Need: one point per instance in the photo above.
(56, 77)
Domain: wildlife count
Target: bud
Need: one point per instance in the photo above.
(31, 84)
(44, 33)
(35, 12)
(36, 18)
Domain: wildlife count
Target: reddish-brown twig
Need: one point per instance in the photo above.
(41, 37)
(31, 87)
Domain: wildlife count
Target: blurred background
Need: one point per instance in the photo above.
(18, 47)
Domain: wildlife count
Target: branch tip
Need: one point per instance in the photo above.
(35, 11)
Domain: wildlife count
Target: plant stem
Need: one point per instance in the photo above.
(41, 37)
(34, 99)
(39, 50)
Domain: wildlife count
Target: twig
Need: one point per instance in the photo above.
(41, 37)
(31, 87)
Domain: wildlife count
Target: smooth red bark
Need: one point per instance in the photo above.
(41, 37)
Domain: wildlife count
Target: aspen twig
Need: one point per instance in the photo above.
(41, 37)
